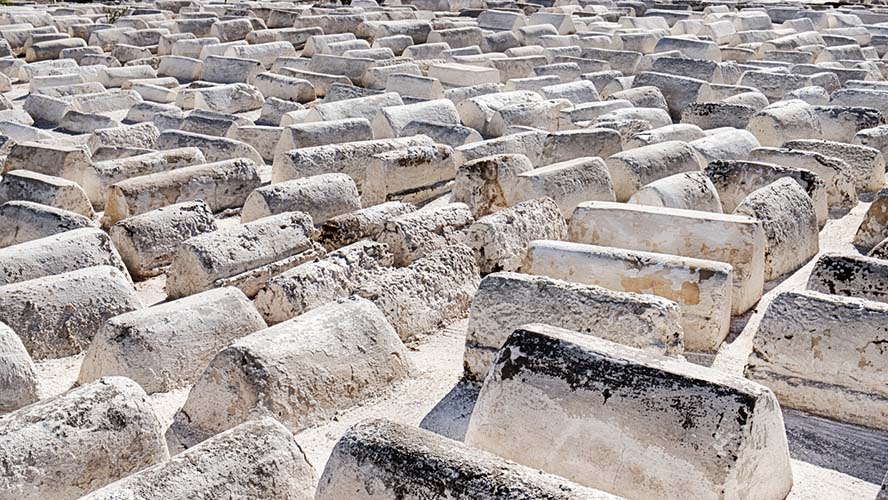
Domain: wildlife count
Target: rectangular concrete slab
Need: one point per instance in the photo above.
(701, 288)
(734, 239)
(244, 256)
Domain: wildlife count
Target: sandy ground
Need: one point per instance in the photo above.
(830, 460)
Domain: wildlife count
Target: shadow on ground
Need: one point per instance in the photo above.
(450, 417)
(849, 449)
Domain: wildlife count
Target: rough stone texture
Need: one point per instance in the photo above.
(505, 301)
(321, 196)
(416, 234)
(710, 115)
(221, 185)
(867, 164)
(678, 132)
(433, 291)
(590, 408)
(482, 183)
(734, 180)
(478, 112)
(542, 115)
(734, 239)
(167, 346)
(392, 120)
(18, 379)
(141, 135)
(530, 144)
(690, 191)
(350, 158)
(413, 175)
(56, 192)
(101, 175)
(572, 144)
(69, 445)
(349, 228)
(851, 276)
(360, 107)
(231, 73)
(880, 251)
(72, 307)
(302, 371)
(76, 122)
(382, 460)
(68, 162)
(244, 256)
(874, 227)
(208, 131)
(263, 138)
(227, 464)
(876, 137)
(214, 149)
(148, 241)
(784, 121)
(500, 240)
(701, 288)
(725, 144)
(632, 169)
(825, 354)
(307, 135)
(315, 283)
(230, 98)
(841, 123)
(679, 91)
(60, 253)
(568, 183)
(834, 172)
(790, 225)
(23, 221)
(284, 87)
